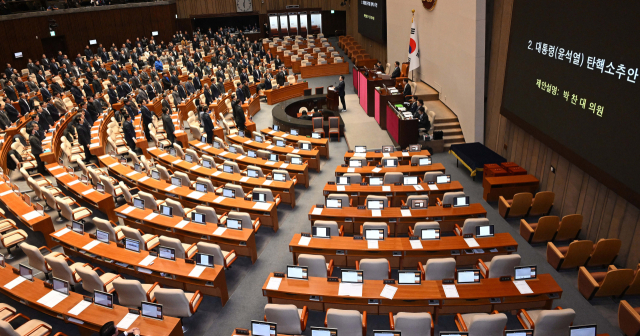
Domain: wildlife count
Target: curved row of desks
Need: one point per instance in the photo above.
(312, 156)
(395, 193)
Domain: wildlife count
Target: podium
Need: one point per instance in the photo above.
(333, 99)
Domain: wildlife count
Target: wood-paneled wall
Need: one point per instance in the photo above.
(111, 25)
(189, 8)
(375, 49)
(606, 215)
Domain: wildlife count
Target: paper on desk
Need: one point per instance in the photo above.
(386, 155)
(271, 132)
(147, 260)
(304, 241)
(351, 170)
(284, 165)
(73, 182)
(195, 194)
(200, 144)
(386, 188)
(405, 153)
(107, 155)
(60, 175)
(195, 167)
(295, 151)
(31, 215)
(270, 146)
(340, 188)
(56, 167)
(127, 321)
(91, 245)
(350, 289)
(376, 169)
(418, 187)
(270, 163)
(471, 242)
(144, 178)
(248, 142)
(219, 199)
(52, 298)
(223, 153)
(389, 292)
(317, 211)
(523, 287)
(61, 232)
(267, 182)
(376, 213)
(217, 172)
(182, 224)
(151, 216)
(241, 157)
(219, 231)
(14, 282)
(261, 206)
(416, 244)
(79, 308)
(6, 193)
(405, 212)
(450, 291)
(113, 164)
(87, 192)
(274, 283)
(372, 244)
(128, 210)
(433, 187)
(206, 147)
(196, 271)
(163, 154)
(244, 179)
(177, 161)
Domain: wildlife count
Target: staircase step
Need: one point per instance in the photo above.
(445, 120)
(453, 138)
(452, 131)
(443, 126)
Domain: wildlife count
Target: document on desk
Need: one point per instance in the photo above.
(176, 161)
(171, 187)
(129, 174)
(182, 224)
(219, 231)
(206, 147)
(267, 182)
(195, 167)
(416, 244)
(376, 169)
(271, 132)
(197, 271)
(56, 167)
(304, 241)
(376, 213)
(405, 153)
(372, 244)
(217, 172)
(284, 165)
(219, 199)
(418, 187)
(317, 211)
(248, 142)
(261, 206)
(386, 188)
(386, 155)
(148, 150)
(127, 321)
(523, 287)
(471, 242)
(389, 292)
(405, 212)
(52, 298)
(195, 194)
(151, 216)
(14, 282)
(270, 163)
(87, 192)
(244, 179)
(295, 151)
(147, 260)
(60, 175)
(163, 154)
(433, 187)
(240, 157)
(274, 283)
(270, 147)
(351, 170)
(31, 215)
(144, 178)
(73, 182)
(350, 289)
(61, 232)
(6, 193)
(450, 291)
(91, 245)
(79, 308)
(128, 209)
(340, 188)
(113, 164)
(223, 153)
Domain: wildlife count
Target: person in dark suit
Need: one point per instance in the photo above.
(281, 77)
(109, 329)
(396, 71)
(84, 137)
(407, 87)
(240, 93)
(36, 148)
(196, 82)
(189, 87)
(25, 108)
(238, 113)
(340, 91)
(150, 92)
(316, 113)
(52, 110)
(77, 93)
(147, 118)
(86, 88)
(305, 116)
(246, 90)
(129, 132)
(379, 67)
(181, 92)
(46, 94)
(423, 119)
(113, 95)
(220, 86)
(167, 124)
(207, 124)
(4, 120)
(11, 111)
(10, 91)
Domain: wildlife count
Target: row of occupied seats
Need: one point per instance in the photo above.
(293, 321)
(525, 205)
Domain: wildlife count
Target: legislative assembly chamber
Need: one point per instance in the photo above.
(319, 168)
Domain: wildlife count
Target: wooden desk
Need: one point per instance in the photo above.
(100, 201)
(252, 107)
(92, 318)
(381, 99)
(242, 241)
(301, 172)
(366, 90)
(404, 132)
(396, 194)
(507, 186)
(312, 156)
(473, 298)
(187, 197)
(319, 70)
(275, 96)
(405, 169)
(345, 251)
(175, 274)
(352, 218)
(321, 144)
(377, 157)
(19, 208)
(286, 190)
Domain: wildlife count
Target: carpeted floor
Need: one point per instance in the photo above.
(245, 280)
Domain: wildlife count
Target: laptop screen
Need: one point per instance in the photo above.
(388, 149)
(408, 277)
(155, 174)
(275, 127)
(259, 328)
(355, 163)
(167, 253)
(259, 197)
(258, 138)
(321, 232)
(100, 187)
(294, 131)
(361, 149)
(352, 276)
(201, 187)
(443, 179)
(410, 180)
(188, 158)
(316, 135)
(483, 231)
(387, 333)
(296, 160)
(414, 148)
(374, 234)
(60, 286)
(305, 146)
(375, 181)
(273, 157)
(343, 180)
(235, 224)
(430, 234)
(468, 276)
(230, 193)
(424, 161)
(207, 164)
(77, 227)
(103, 299)
(521, 332)
(198, 218)
(419, 204)
(151, 310)
(203, 259)
(318, 331)
(166, 210)
(391, 163)
(176, 181)
(102, 236)
(526, 272)
(132, 245)
(334, 203)
(375, 204)
(453, 333)
(461, 201)
(584, 330)
(138, 203)
(298, 272)
(252, 154)
(280, 143)
(280, 177)
(252, 173)
(26, 272)
(227, 169)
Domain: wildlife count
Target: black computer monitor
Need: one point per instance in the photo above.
(419, 204)
(26, 272)
(525, 272)
(343, 180)
(430, 234)
(461, 201)
(273, 157)
(259, 197)
(520, 332)
(235, 224)
(321, 232)
(261, 328)
(440, 179)
(352, 276)
(376, 181)
(151, 310)
(198, 218)
(305, 146)
(201, 187)
(388, 149)
(391, 163)
(375, 204)
(319, 331)
(167, 253)
(426, 161)
(334, 203)
(468, 276)
(280, 177)
(415, 148)
(275, 128)
(374, 234)
(203, 259)
(138, 203)
(102, 236)
(361, 149)
(176, 181)
(60, 286)
(103, 299)
(298, 272)
(132, 244)
(409, 277)
(77, 227)
(483, 231)
(583, 330)
(409, 180)
(166, 210)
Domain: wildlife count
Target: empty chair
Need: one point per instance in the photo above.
(131, 293)
(60, 269)
(178, 210)
(614, 282)
(233, 165)
(375, 226)
(344, 199)
(76, 214)
(554, 322)
(448, 197)
(517, 207)
(91, 281)
(384, 160)
(207, 182)
(150, 202)
(29, 328)
(570, 227)
(634, 286)
(542, 231)
(263, 154)
(438, 269)
(354, 178)
(184, 178)
(239, 192)
(245, 218)
(238, 149)
(285, 174)
(165, 174)
(572, 256)
(177, 303)
(210, 214)
(6, 311)
(318, 125)
(11, 239)
(183, 251)
(109, 188)
(179, 151)
(469, 226)
(268, 195)
(349, 322)
(334, 126)
(499, 266)
(317, 265)
(384, 199)
(413, 201)
(393, 178)
(412, 324)
(363, 161)
(604, 252)
(290, 319)
(36, 259)
(220, 257)
(334, 229)
(147, 241)
(542, 203)
(430, 176)
(374, 269)
(628, 318)
(419, 226)
(256, 169)
(482, 324)
(416, 158)
(126, 192)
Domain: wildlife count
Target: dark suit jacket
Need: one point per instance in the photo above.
(36, 145)
(395, 73)
(207, 123)
(12, 113)
(24, 106)
(45, 93)
(407, 90)
(340, 89)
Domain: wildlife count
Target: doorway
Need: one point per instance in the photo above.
(51, 45)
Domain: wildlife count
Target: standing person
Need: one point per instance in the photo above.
(84, 137)
(340, 90)
(147, 118)
(207, 124)
(167, 124)
(36, 148)
(238, 113)
(129, 132)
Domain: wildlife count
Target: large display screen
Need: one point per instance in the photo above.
(572, 82)
(372, 19)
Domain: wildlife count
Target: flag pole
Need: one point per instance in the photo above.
(413, 14)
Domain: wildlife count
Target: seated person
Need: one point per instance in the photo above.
(316, 113)
(305, 116)
(423, 119)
